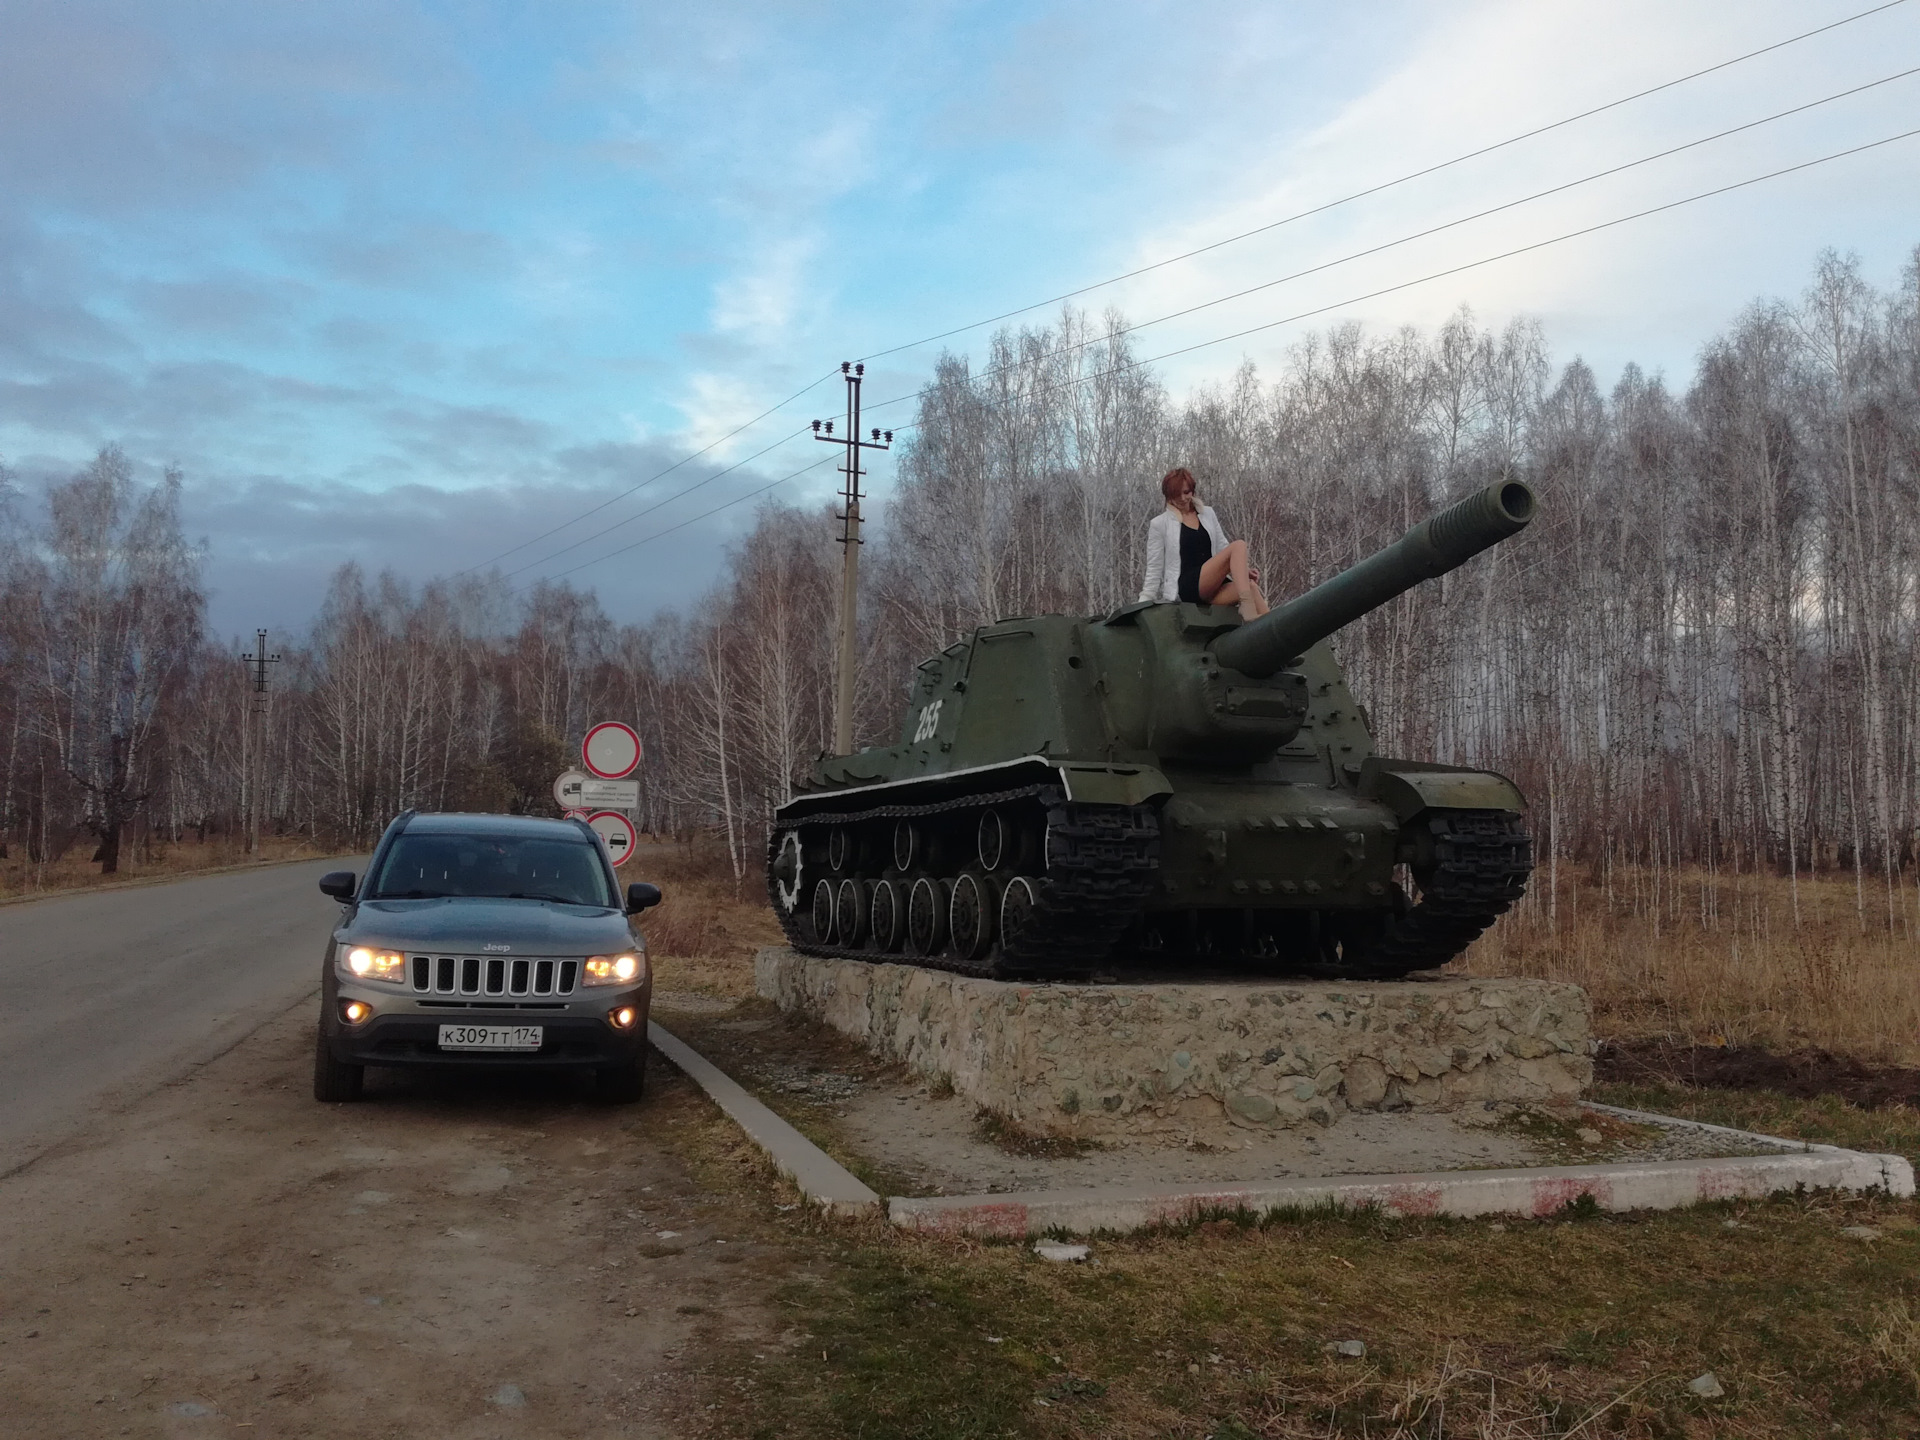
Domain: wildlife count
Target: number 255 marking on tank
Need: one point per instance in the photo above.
(929, 721)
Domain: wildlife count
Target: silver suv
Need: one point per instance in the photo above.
(485, 940)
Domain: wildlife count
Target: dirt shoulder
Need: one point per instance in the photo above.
(451, 1258)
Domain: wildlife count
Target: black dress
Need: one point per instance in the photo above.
(1196, 548)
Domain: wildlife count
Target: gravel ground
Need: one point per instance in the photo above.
(455, 1257)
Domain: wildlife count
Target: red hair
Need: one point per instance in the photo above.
(1176, 481)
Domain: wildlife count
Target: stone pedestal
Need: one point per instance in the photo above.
(1198, 1062)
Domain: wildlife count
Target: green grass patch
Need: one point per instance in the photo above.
(1226, 1327)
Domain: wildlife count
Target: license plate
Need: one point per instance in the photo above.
(491, 1037)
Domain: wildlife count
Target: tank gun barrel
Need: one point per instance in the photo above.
(1430, 549)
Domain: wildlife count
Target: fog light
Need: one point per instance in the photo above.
(623, 1017)
(354, 1011)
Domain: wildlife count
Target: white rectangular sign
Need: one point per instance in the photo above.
(610, 794)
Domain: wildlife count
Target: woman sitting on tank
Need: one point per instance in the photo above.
(1190, 558)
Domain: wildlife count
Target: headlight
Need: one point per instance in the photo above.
(377, 965)
(612, 969)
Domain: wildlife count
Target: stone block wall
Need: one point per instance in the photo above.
(1181, 1062)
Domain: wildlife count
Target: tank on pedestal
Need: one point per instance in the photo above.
(1163, 782)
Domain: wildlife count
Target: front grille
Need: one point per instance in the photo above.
(486, 975)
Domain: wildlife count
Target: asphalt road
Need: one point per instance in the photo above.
(105, 997)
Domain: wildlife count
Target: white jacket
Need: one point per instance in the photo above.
(1163, 552)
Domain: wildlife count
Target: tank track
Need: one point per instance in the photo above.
(1482, 859)
(1101, 861)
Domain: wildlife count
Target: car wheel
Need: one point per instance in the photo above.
(333, 1082)
(622, 1084)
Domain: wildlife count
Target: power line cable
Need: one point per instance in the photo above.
(642, 514)
(1431, 230)
(1390, 184)
(693, 520)
(1309, 314)
(1201, 250)
(661, 475)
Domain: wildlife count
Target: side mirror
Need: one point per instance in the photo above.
(640, 896)
(338, 884)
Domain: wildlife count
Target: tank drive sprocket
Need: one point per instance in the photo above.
(1476, 867)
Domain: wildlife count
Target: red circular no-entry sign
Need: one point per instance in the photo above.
(618, 832)
(611, 750)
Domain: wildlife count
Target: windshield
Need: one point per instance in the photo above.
(429, 867)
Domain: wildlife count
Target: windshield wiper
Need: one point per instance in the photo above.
(411, 895)
(536, 895)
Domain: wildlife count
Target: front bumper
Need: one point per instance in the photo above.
(400, 1032)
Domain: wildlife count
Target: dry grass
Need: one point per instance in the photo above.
(1724, 962)
(706, 914)
(1583, 1326)
(146, 859)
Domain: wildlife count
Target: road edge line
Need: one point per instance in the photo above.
(822, 1179)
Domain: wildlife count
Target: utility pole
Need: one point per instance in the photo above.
(256, 767)
(850, 538)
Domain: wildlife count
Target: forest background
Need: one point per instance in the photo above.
(1699, 663)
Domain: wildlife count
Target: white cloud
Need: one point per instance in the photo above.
(1480, 74)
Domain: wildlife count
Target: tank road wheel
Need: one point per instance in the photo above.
(850, 913)
(839, 847)
(970, 916)
(1017, 904)
(907, 845)
(789, 872)
(992, 840)
(886, 916)
(926, 917)
(823, 912)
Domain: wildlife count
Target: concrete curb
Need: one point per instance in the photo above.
(1531, 1193)
(819, 1177)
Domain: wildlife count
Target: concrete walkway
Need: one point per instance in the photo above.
(1527, 1193)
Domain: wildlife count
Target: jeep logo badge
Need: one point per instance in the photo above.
(496, 949)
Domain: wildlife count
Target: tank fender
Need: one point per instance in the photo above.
(1408, 787)
(1114, 784)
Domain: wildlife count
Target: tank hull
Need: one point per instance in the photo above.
(1068, 791)
(1033, 868)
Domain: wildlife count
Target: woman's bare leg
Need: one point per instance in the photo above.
(1227, 579)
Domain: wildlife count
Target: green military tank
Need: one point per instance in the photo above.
(1163, 783)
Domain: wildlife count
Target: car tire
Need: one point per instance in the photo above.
(624, 1083)
(333, 1082)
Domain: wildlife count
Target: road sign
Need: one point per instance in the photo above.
(568, 790)
(578, 815)
(614, 828)
(577, 791)
(611, 794)
(611, 749)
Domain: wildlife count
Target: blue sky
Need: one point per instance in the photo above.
(411, 283)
